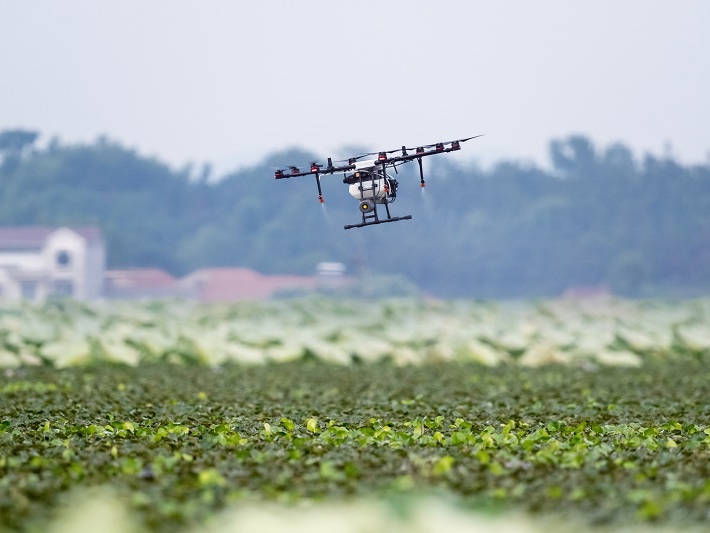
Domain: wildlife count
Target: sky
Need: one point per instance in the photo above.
(230, 82)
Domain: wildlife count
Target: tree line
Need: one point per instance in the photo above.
(596, 218)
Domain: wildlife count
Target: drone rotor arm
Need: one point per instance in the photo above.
(383, 158)
(295, 172)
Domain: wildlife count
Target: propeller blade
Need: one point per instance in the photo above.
(387, 151)
(446, 142)
(467, 138)
(353, 158)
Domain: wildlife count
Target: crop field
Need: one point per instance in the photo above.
(353, 415)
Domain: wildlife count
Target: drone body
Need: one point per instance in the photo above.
(368, 181)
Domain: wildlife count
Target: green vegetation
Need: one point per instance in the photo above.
(592, 412)
(598, 217)
(613, 446)
(603, 331)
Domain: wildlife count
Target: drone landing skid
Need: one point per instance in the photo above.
(372, 223)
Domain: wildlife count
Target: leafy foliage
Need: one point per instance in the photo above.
(405, 331)
(176, 444)
(163, 404)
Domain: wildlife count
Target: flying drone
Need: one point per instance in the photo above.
(368, 181)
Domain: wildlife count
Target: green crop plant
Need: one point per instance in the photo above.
(606, 445)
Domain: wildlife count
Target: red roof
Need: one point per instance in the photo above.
(230, 284)
(35, 236)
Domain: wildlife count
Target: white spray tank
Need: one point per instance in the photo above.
(377, 189)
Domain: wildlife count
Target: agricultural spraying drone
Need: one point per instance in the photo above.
(368, 180)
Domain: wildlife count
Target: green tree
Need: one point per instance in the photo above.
(16, 142)
(599, 217)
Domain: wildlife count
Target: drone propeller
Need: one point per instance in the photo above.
(453, 143)
(378, 153)
(469, 138)
(403, 150)
(456, 144)
(384, 153)
(351, 160)
(381, 155)
(439, 147)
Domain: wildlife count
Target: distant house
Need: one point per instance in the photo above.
(232, 284)
(139, 283)
(42, 262)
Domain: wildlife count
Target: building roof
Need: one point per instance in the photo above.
(231, 284)
(31, 237)
(139, 283)
(140, 279)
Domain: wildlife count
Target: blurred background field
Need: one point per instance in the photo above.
(602, 330)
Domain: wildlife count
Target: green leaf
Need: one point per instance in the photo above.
(288, 424)
(443, 465)
(211, 477)
(312, 425)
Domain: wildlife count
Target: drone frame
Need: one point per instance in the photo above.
(371, 217)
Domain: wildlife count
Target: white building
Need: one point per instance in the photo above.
(43, 262)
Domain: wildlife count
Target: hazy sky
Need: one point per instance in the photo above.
(228, 82)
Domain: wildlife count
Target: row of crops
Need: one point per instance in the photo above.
(606, 331)
(318, 414)
(172, 446)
